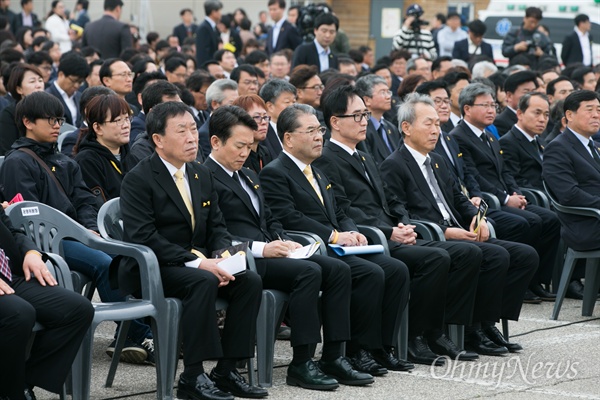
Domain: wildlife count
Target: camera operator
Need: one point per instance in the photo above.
(412, 37)
(526, 39)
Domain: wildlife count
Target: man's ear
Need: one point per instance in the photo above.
(157, 139)
(28, 124)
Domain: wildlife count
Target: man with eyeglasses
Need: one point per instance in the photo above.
(382, 136)
(309, 87)
(116, 75)
(319, 52)
(72, 71)
(239, 189)
(247, 79)
(176, 70)
(301, 198)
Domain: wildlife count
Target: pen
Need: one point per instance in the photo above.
(279, 237)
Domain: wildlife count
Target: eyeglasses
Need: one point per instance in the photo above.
(493, 106)
(385, 93)
(250, 83)
(316, 87)
(120, 121)
(439, 101)
(126, 74)
(320, 131)
(259, 119)
(357, 117)
(76, 80)
(56, 120)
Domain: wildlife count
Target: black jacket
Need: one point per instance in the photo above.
(8, 128)
(308, 54)
(521, 159)
(571, 49)
(21, 173)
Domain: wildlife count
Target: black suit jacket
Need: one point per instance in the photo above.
(375, 144)
(571, 49)
(289, 38)
(155, 215)
(182, 33)
(573, 178)
(204, 139)
(138, 125)
(295, 203)
(522, 161)
(207, 43)
(461, 50)
(487, 166)
(307, 54)
(108, 35)
(505, 121)
(405, 180)
(18, 21)
(272, 143)
(360, 198)
(69, 118)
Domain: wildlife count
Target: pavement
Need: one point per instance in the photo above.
(559, 361)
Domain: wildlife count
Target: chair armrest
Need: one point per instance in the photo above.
(60, 270)
(491, 229)
(583, 211)
(305, 238)
(428, 230)
(536, 196)
(375, 236)
(492, 200)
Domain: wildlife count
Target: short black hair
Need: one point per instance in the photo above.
(84, 4)
(173, 63)
(533, 12)
(152, 37)
(518, 78)
(327, 19)
(219, 54)
(477, 27)
(158, 117)
(452, 14)
(574, 100)
(551, 86)
(579, 74)
(153, 94)
(198, 79)
(35, 106)
(430, 86)
(226, 117)
(212, 5)
(256, 57)
(280, 3)
(140, 83)
(237, 72)
(91, 92)
(88, 51)
(441, 17)
(302, 74)
(75, 65)
(39, 57)
(452, 78)
(110, 5)
(105, 68)
(437, 63)
(336, 102)
(23, 2)
(288, 120)
(526, 99)
(581, 18)
(183, 11)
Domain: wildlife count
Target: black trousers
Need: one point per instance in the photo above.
(198, 290)
(66, 317)
(303, 279)
(380, 289)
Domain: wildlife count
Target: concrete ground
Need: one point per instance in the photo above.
(560, 361)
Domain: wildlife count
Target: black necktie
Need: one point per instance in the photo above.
(538, 149)
(594, 151)
(437, 191)
(358, 158)
(236, 178)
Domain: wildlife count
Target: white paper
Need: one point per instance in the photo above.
(305, 252)
(234, 264)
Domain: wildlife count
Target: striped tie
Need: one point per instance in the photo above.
(4, 267)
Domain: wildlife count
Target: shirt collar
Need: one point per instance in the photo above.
(527, 136)
(172, 169)
(581, 34)
(475, 130)
(584, 140)
(454, 118)
(419, 158)
(62, 92)
(343, 146)
(376, 123)
(321, 49)
(211, 22)
(298, 163)
(279, 23)
(229, 172)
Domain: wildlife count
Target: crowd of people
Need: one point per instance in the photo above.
(224, 131)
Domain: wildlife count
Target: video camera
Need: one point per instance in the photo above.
(416, 11)
(306, 19)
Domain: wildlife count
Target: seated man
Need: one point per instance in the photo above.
(301, 198)
(416, 175)
(169, 204)
(238, 189)
(38, 172)
(28, 293)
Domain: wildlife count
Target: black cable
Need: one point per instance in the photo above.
(554, 327)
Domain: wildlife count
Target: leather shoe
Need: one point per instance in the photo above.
(420, 353)
(28, 394)
(495, 336)
(389, 361)
(575, 290)
(479, 343)
(542, 293)
(235, 384)
(363, 361)
(342, 371)
(446, 347)
(309, 376)
(201, 388)
(531, 298)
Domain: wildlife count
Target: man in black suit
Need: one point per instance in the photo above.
(277, 94)
(319, 52)
(239, 189)
(301, 198)
(515, 86)
(382, 136)
(207, 35)
(169, 204)
(484, 159)
(282, 35)
(577, 45)
(474, 45)
(187, 28)
(72, 71)
(417, 176)
(28, 293)
(107, 34)
(444, 274)
(26, 18)
(456, 82)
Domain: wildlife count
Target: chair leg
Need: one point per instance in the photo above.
(266, 326)
(592, 284)
(564, 282)
(82, 366)
(558, 265)
(402, 334)
(114, 363)
(166, 347)
(505, 329)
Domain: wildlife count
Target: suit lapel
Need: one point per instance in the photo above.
(525, 144)
(343, 154)
(228, 181)
(421, 182)
(300, 179)
(166, 181)
(254, 187)
(579, 147)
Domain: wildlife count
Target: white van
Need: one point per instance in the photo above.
(501, 16)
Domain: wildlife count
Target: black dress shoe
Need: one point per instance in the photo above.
(235, 384)
(575, 290)
(363, 361)
(309, 376)
(542, 293)
(29, 395)
(389, 361)
(531, 298)
(420, 353)
(479, 343)
(342, 371)
(446, 347)
(495, 336)
(201, 388)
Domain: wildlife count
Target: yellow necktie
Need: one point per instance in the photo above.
(180, 183)
(311, 179)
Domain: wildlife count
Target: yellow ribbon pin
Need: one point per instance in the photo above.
(501, 152)
(256, 187)
(206, 204)
(436, 165)
(195, 176)
(459, 155)
(328, 187)
(53, 169)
